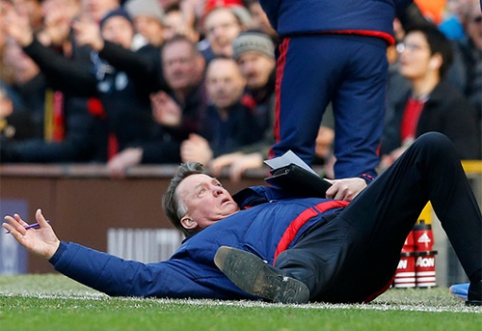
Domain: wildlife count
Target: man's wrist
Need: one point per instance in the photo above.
(367, 178)
(62, 246)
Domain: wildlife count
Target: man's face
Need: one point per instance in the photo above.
(206, 200)
(474, 26)
(182, 67)
(224, 82)
(172, 22)
(118, 30)
(415, 58)
(256, 69)
(222, 28)
(150, 28)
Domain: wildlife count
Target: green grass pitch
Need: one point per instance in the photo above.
(53, 302)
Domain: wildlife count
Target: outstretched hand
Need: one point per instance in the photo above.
(41, 241)
(345, 189)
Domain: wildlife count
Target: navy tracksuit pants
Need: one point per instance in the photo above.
(351, 71)
(355, 254)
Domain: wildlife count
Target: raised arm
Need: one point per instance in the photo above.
(75, 77)
(143, 66)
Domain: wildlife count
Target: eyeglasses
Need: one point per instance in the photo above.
(401, 47)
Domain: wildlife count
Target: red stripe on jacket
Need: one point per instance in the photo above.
(280, 67)
(383, 35)
(292, 230)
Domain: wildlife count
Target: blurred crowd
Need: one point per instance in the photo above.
(169, 81)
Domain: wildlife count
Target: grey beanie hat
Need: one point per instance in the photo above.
(253, 41)
(150, 8)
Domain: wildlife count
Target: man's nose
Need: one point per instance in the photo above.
(217, 190)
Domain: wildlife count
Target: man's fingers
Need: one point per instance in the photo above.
(15, 224)
(19, 220)
(40, 218)
(330, 193)
(8, 227)
(336, 192)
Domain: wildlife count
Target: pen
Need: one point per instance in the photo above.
(32, 226)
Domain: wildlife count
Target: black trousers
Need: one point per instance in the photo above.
(355, 254)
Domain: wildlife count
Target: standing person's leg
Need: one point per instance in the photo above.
(359, 107)
(307, 73)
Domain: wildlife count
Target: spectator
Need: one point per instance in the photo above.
(29, 84)
(183, 68)
(122, 79)
(195, 11)
(453, 24)
(61, 132)
(466, 72)
(173, 24)
(61, 128)
(432, 104)
(221, 26)
(229, 124)
(148, 19)
(15, 124)
(254, 53)
(333, 51)
(178, 112)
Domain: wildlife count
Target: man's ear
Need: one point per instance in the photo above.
(435, 61)
(188, 223)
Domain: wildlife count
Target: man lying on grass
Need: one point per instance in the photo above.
(266, 243)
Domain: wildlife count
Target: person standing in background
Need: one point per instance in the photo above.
(333, 50)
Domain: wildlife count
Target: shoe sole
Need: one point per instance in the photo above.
(254, 276)
(473, 303)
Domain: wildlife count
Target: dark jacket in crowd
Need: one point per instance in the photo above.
(446, 111)
(240, 129)
(84, 141)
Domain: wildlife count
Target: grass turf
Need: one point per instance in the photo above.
(53, 302)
